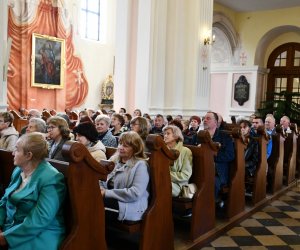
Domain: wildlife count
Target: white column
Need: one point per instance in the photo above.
(142, 74)
(203, 76)
(3, 53)
(121, 53)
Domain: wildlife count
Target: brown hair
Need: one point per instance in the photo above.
(62, 124)
(143, 126)
(133, 140)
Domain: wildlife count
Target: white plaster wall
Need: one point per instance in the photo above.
(97, 57)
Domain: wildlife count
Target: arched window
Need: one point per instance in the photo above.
(284, 65)
(92, 19)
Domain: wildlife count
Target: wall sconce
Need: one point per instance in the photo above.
(209, 40)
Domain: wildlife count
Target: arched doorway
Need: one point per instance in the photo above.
(284, 79)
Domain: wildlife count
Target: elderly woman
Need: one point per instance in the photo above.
(181, 170)
(102, 123)
(126, 188)
(58, 133)
(36, 125)
(87, 135)
(31, 215)
(8, 134)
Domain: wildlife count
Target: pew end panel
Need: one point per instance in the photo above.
(19, 122)
(156, 227)
(203, 202)
(275, 161)
(85, 209)
(260, 177)
(157, 224)
(236, 192)
(7, 167)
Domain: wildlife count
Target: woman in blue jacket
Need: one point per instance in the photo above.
(126, 188)
(31, 209)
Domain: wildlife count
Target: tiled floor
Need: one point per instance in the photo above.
(277, 226)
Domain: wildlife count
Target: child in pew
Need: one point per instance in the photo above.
(126, 188)
(87, 135)
(31, 215)
(181, 170)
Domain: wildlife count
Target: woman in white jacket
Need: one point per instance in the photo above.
(8, 134)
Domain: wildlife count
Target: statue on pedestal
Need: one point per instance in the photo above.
(107, 94)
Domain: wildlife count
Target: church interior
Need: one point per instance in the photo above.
(171, 57)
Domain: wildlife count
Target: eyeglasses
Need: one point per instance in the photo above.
(1, 121)
(134, 124)
(51, 127)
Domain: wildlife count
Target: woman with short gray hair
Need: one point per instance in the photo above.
(36, 125)
(102, 123)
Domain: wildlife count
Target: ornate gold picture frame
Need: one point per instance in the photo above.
(48, 62)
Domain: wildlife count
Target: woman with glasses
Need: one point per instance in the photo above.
(58, 133)
(140, 125)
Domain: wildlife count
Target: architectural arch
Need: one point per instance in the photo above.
(265, 41)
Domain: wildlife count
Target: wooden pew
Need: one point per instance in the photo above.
(203, 202)
(236, 194)
(156, 227)
(18, 122)
(6, 169)
(84, 210)
(275, 161)
(260, 178)
(290, 151)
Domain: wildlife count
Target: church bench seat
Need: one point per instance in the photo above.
(84, 210)
(203, 202)
(156, 227)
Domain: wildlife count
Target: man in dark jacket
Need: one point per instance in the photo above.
(225, 154)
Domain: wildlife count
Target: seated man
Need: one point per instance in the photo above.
(159, 123)
(285, 124)
(225, 154)
(257, 122)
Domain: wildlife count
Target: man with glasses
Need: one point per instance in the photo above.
(8, 134)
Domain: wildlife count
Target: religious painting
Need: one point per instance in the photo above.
(48, 62)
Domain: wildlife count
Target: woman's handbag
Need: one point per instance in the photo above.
(188, 190)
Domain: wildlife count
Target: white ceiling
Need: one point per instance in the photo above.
(258, 5)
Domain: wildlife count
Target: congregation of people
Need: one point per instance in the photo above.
(32, 204)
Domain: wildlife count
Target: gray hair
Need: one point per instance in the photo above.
(39, 123)
(104, 118)
(176, 131)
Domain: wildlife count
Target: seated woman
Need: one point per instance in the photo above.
(252, 150)
(181, 170)
(58, 133)
(126, 188)
(117, 124)
(8, 134)
(140, 125)
(31, 215)
(102, 123)
(87, 135)
(36, 125)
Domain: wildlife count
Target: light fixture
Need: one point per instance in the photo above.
(209, 40)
